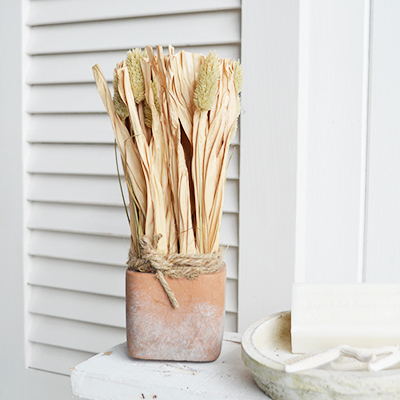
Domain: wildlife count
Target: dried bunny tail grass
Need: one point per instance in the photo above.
(237, 76)
(155, 95)
(136, 74)
(238, 82)
(148, 118)
(120, 106)
(207, 83)
(232, 134)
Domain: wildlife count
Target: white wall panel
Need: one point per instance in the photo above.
(332, 133)
(383, 217)
(268, 157)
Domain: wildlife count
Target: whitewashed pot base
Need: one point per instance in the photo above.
(265, 348)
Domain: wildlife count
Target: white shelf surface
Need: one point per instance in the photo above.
(114, 375)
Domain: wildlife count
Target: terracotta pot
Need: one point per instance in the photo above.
(192, 332)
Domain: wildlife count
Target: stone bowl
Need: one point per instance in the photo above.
(266, 346)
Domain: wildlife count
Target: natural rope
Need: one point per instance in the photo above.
(174, 265)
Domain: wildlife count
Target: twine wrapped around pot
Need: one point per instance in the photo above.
(178, 265)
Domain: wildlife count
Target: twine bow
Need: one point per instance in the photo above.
(173, 265)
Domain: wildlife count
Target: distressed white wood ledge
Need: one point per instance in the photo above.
(114, 375)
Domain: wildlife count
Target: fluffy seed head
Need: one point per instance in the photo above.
(155, 95)
(237, 76)
(136, 74)
(148, 118)
(120, 106)
(207, 83)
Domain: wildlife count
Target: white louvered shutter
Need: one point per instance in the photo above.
(77, 232)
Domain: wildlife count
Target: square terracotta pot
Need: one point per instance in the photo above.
(192, 332)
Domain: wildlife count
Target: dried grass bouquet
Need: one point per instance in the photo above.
(174, 117)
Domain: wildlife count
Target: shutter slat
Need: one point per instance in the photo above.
(98, 190)
(231, 295)
(62, 128)
(56, 359)
(79, 306)
(90, 160)
(219, 27)
(73, 159)
(79, 98)
(231, 260)
(100, 220)
(70, 246)
(104, 220)
(78, 276)
(74, 335)
(230, 322)
(84, 189)
(50, 69)
(58, 12)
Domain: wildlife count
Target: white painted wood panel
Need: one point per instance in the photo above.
(383, 217)
(74, 335)
(334, 49)
(58, 360)
(219, 27)
(50, 69)
(268, 157)
(90, 160)
(43, 12)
